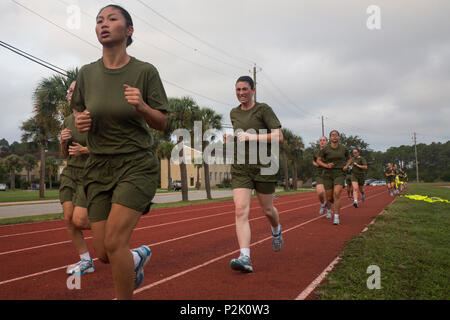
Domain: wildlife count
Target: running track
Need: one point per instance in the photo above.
(192, 247)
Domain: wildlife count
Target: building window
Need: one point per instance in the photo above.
(192, 182)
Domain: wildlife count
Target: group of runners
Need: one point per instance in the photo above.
(333, 167)
(396, 179)
(112, 169)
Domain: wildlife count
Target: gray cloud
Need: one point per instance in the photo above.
(381, 85)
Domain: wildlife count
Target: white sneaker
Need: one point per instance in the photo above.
(336, 220)
(81, 267)
(328, 214)
(322, 208)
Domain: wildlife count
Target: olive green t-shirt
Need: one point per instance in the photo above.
(338, 156)
(317, 171)
(388, 172)
(116, 127)
(260, 116)
(356, 170)
(77, 137)
(348, 173)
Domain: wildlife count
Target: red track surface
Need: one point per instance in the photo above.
(192, 247)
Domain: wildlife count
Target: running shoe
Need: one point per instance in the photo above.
(363, 197)
(145, 254)
(328, 214)
(277, 241)
(322, 208)
(355, 204)
(243, 264)
(81, 267)
(336, 220)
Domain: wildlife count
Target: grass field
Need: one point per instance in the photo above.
(409, 242)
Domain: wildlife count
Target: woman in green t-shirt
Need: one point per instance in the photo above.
(335, 159)
(318, 172)
(245, 177)
(71, 192)
(117, 99)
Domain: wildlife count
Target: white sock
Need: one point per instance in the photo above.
(276, 230)
(136, 258)
(336, 215)
(85, 256)
(245, 252)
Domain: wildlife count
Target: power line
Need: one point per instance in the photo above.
(56, 25)
(166, 81)
(34, 59)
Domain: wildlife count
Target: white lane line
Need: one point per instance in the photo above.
(136, 229)
(313, 285)
(152, 245)
(179, 274)
(144, 217)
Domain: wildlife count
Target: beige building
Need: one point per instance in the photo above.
(217, 172)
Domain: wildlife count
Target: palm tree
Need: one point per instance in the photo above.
(182, 114)
(45, 125)
(210, 120)
(288, 137)
(198, 166)
(13, 164)
(29, 163)
(164, 151)
(295, 151)
(51, 166)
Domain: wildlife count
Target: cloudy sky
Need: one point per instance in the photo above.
(314, 58)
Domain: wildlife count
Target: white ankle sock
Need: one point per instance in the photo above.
(85, 256)
(245, 252)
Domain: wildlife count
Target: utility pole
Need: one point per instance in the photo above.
(417, 164)
(323, 128)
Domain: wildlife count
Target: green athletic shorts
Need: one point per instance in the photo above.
(332, 177)
(389, 179)
(359, 179)
(126, 179)
(249, 177)
(348, 181)
(319, 179)
(71, 187)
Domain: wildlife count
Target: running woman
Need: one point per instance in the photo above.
(348, 182)
(358, 175)
(71, 192)
(317, 173)
(246, 177)
(335, 158)
(117, 99)
(397, 182)
(390, 176)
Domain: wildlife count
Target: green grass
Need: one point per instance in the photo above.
(27, 195)
(410, 242)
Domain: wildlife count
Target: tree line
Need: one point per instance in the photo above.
(50, 107)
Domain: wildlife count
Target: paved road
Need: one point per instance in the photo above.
(9, 210)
